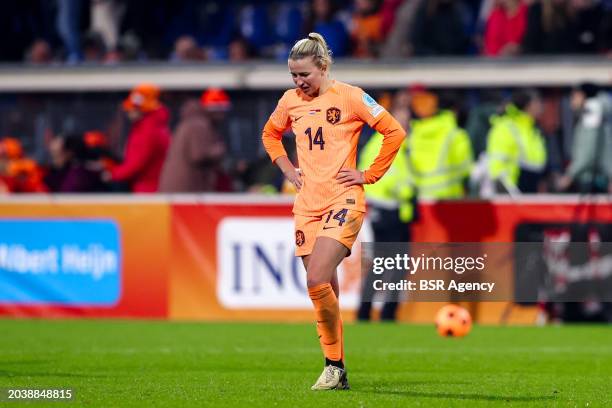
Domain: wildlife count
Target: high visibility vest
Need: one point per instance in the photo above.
(394, 189)
(440, 156)
(514, 143)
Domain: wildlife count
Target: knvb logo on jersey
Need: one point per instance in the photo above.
(300, 238)
(260, 270)
(67, 262)
(333, 115)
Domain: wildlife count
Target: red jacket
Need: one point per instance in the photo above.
(145, 152)
(503, 29)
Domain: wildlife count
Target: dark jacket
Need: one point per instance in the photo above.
(74, 178)
(441, 32)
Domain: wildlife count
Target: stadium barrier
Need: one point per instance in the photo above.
(442, 72)
(223, 257)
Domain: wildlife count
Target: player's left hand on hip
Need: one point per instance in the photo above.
(350, 177)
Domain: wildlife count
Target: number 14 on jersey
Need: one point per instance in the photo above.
(318, 138)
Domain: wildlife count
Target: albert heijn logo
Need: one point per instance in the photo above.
(333, 115)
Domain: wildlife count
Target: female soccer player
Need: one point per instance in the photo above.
(326, 117)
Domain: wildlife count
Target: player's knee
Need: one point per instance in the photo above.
(316, 275)
(312, 282)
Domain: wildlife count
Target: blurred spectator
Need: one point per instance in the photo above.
(68, 27)
(550, 123)
(287, 25)
(40, 53)
(479, 119)
(590, 169)
(399, 40)
(422, 103)
(605, 32)
(440, 152)
(386, 28)
(367, 30)
(148, 20)
(323, 19)
(262, 176)
(239, 50)
(484, 9)
(18, 174)
(94, 50)
(586, 17)
(401, 107)
(106, 18)
(547, 28)
(257, 176)
(194, 161)
(10, 149)
(439, 29)
(254, 25)
(505, 28)
(187, 49)
(68, 172)
(98, 149)
(147, 142)
(516, 150)
(563, 27)
(14, 15)
(388, 11)
(217, 104)
(128, 49)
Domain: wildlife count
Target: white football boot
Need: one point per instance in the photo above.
(332, 378)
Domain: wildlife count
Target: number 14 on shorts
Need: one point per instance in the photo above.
(338, 216)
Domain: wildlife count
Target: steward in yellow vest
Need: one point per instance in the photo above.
(515, 146)
(440, 156)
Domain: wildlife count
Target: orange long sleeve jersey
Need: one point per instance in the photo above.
(327, 129)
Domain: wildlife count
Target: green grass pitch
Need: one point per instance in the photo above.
(144, 363)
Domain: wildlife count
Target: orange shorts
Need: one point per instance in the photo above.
(340, 224)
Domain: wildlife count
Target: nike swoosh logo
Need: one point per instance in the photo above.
(298, 118)
(325, 228)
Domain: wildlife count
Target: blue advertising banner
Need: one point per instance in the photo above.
(66, 262)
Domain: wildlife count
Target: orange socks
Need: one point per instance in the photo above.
(329, 324)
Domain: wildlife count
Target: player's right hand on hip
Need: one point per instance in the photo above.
(295, 177)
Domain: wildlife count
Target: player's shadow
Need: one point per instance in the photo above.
(411, 383)
(449, 395)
